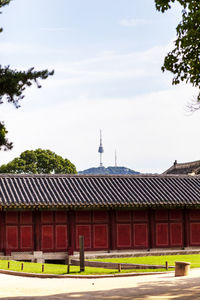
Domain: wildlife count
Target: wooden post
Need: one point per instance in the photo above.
(81, 246)
(67, 261)
(119, 267)
(166, 265)
(8, 265)
(68, 268)
(22, 267)
(42, 268)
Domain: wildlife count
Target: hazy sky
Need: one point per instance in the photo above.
(107, 56)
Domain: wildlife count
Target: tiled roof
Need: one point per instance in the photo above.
(79, 191)
(184, 168)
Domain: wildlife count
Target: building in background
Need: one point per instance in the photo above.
(189, 168)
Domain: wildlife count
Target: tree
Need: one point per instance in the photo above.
(39, 161)
(12, 86)
(4, 144)
(184, 60)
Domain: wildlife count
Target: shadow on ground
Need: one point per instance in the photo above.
(181, 289)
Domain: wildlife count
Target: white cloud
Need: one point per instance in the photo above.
(7, 48)
(110, 66)
(103, 67)
(149, 131)
(134, 22)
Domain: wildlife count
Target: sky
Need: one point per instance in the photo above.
(107, 56)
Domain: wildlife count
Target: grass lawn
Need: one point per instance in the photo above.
(74, 270)
(194, 259)
(59, 269)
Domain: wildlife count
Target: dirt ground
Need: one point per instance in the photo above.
(151, 287)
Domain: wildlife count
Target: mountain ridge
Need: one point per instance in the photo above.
(109, 170)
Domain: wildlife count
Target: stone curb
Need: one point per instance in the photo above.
(23, 274)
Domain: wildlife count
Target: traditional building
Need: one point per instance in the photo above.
(49, 212)
(188, 168)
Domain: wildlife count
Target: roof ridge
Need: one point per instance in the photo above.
(97, 175)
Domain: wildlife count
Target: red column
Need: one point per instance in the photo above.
(186, 237)
(150, 233)
(37, 231)
(71, 231)
(152, 228)
(3, 232)
(112, 230)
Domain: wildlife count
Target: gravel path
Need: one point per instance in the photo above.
(153, 287)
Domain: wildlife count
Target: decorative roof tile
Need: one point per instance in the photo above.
(78, 191)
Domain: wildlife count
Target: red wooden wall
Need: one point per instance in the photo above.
(194, 227)
(28, 231)
(52, 231)
(93, 225)
(168, 228)
(18, 231)
(131, 228)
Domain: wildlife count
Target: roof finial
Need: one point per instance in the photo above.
(101, 150)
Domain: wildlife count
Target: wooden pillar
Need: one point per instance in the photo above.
(153, 228)
(3, 231)
(112, 231)
(185, 222)
(37, 230)
(71, 231)
(150, 215)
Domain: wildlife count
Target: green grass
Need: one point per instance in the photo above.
(194, 259)
(59, 269)
(74, 270)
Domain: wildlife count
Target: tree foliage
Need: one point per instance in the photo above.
(39, 161)
(12, 86)
(184, 60)
(4, 144)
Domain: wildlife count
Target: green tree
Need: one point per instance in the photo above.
(184, 60)
(4, 144)
(39, 161)
(12, 86)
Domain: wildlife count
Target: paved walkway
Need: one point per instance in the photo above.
(151, 287)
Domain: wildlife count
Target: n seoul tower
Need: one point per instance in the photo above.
(101, 150)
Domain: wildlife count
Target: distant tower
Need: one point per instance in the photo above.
(101, 150)
(115, 158)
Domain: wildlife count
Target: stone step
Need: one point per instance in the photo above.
(6, 257)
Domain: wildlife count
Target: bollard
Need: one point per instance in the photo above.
(42, 268)
(182, 268)
(166, 265)
(8, 265)
(22, 267)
